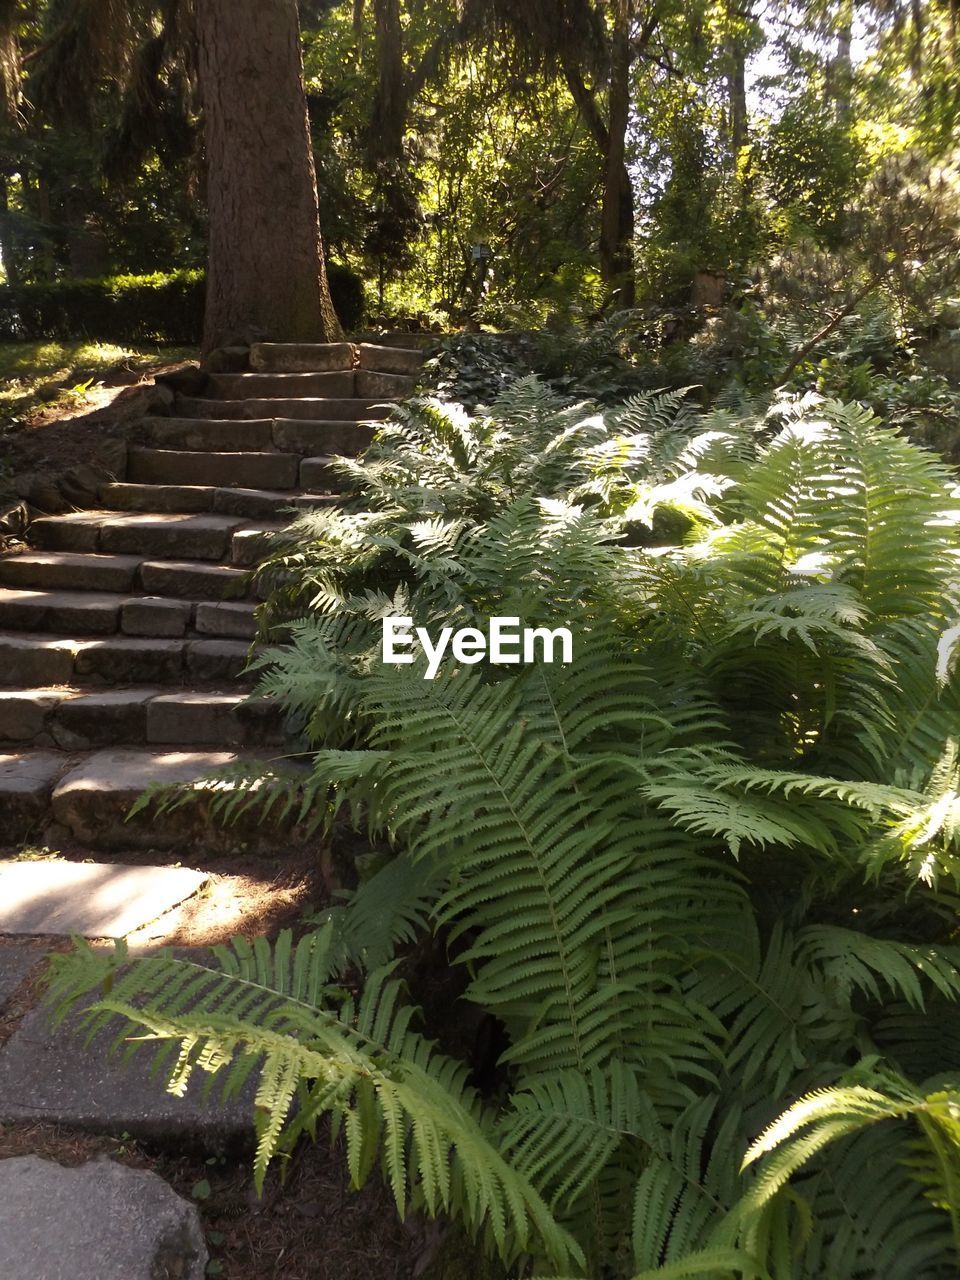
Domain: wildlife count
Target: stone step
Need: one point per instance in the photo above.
(247, 470)
(89, 796)
(87, 613)
(80, 613)
(320, 472)
(65, 570)
(196, 717)
(26, 782)
(33, 660)
(219, 435)
(161, 535)
(107, 900)
(301, 357)
(93, 798)
(262, 386)
(394, 338)
(354, 409)
(183, 498)
(387, 359)
(308, 438)
(192, 579)
(76, 719)
(251, 545)
(391, 386)
(251, 503)
(269, 435)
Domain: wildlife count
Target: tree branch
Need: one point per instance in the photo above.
(824, 333)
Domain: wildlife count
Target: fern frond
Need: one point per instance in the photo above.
(271, 1011)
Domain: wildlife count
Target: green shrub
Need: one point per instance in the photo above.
(154, 308)
(705, 877)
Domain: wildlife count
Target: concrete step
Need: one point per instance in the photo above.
(65, 570)
(164, 535)
(315, 408)
(34, 660)
(386, 359)
(251, 503)
(301, 357)
(247, 470)
(76, 719)
(262, 386)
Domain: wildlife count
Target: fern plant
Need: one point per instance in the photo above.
(705, 877)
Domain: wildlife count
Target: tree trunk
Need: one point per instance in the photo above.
(840, 77)
(390, 108)
(738, 99)
(616, 216)
(265, 267)
(8, 253)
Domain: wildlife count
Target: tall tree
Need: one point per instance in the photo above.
(265, 268)
(594, 45)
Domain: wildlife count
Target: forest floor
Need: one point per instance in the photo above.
(311, 1226)
(60, 401)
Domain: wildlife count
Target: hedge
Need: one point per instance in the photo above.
(151, 308)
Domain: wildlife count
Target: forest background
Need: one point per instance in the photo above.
(501, 163)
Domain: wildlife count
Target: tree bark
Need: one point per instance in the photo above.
(840, 77)
(265, 265)
(8, 253)
(738, 99)
(390, 108)
(616, 215)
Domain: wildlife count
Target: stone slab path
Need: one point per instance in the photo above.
(17, 960)
(95, 900)
(100, 1221)
(50, 1073)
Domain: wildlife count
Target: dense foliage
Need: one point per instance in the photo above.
(158, 307)
(446, 130)
(704, 878)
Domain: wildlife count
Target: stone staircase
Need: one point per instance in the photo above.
(125, 630)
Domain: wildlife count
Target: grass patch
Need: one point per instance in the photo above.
(32, 373)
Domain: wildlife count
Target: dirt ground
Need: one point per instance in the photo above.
(312, 1226)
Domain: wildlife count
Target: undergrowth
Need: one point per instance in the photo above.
(705, 877)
